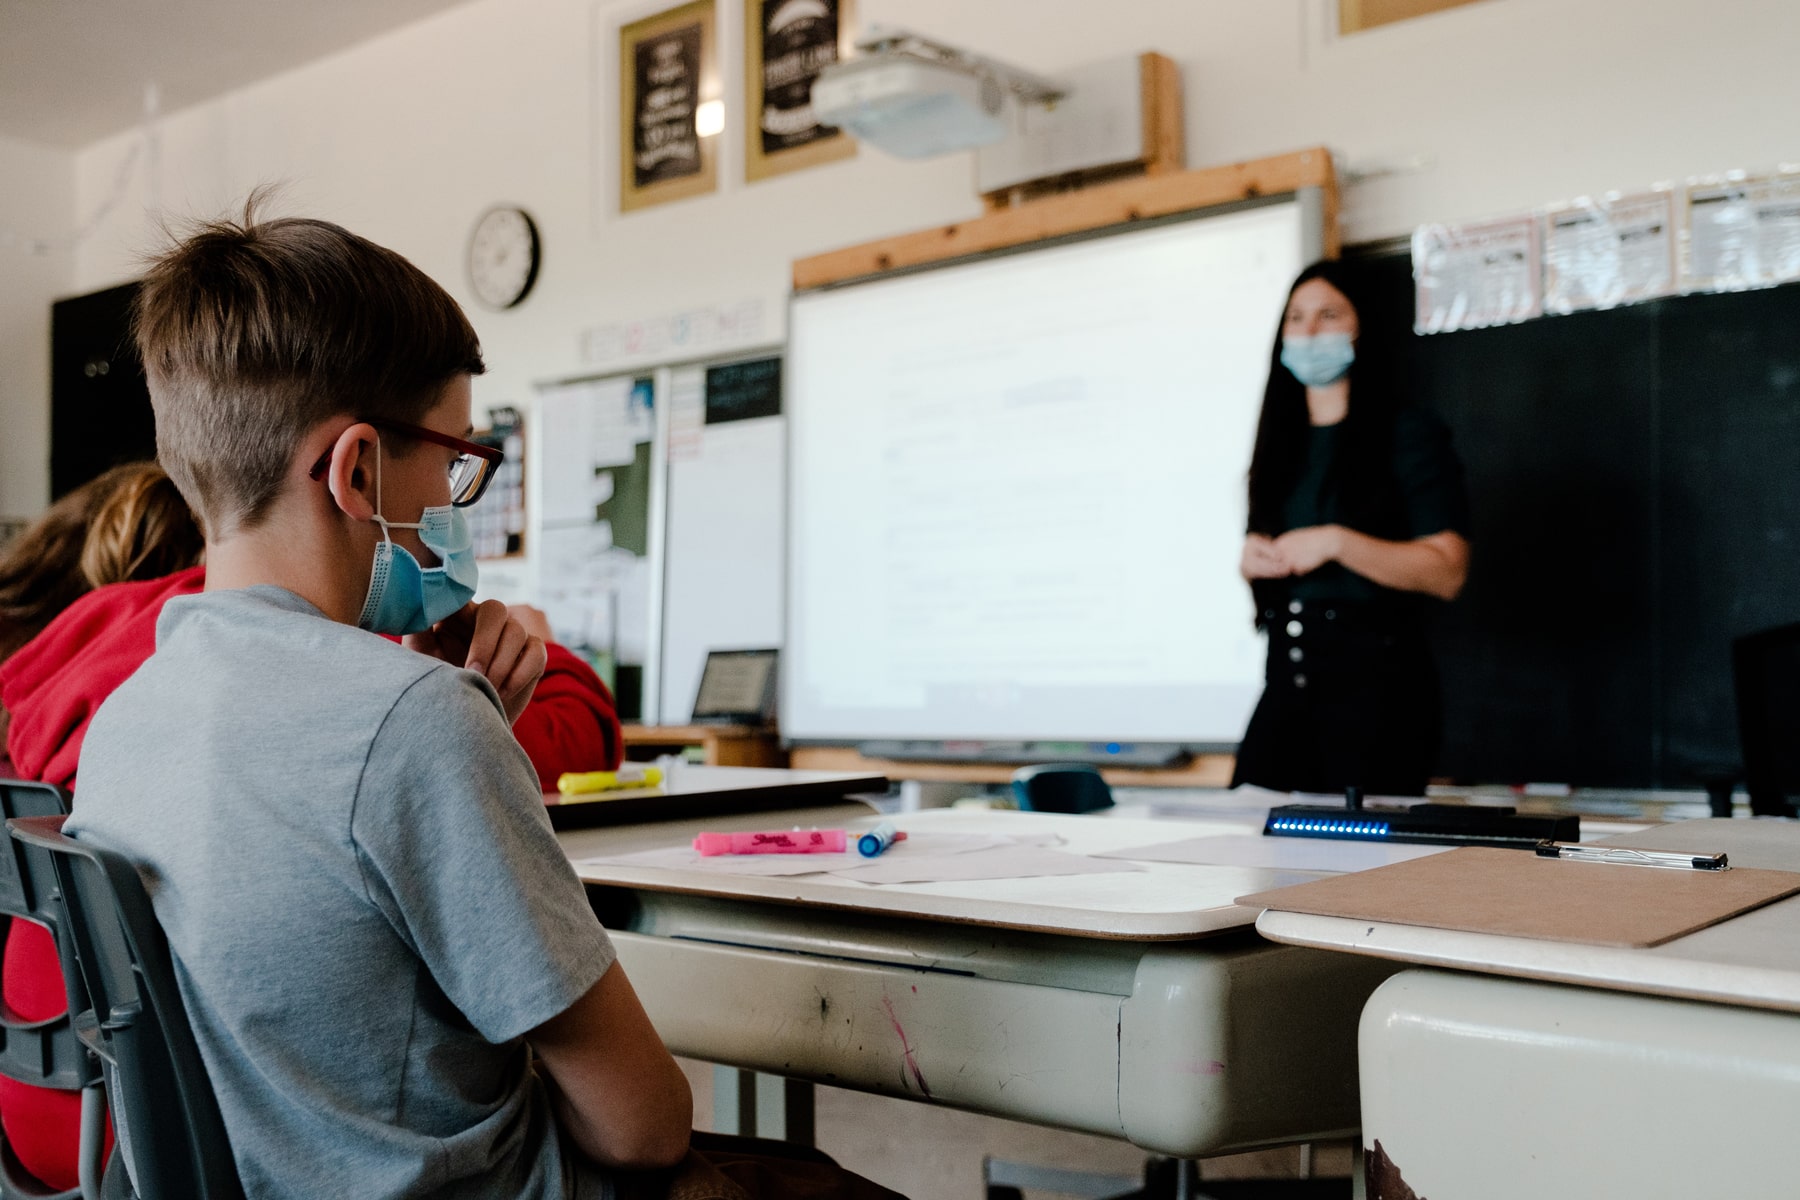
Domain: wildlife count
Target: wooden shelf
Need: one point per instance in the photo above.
(1203, 770)
(1080, 211)
(723, 745)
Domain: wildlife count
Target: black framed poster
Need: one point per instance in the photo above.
(786, 44)
(666, 70)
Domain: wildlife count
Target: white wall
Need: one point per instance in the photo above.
(408, 137)
(37, 204)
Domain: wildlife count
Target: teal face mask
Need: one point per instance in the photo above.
(405, 597)
(1319, 360)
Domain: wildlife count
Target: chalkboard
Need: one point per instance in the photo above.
(1635, 482)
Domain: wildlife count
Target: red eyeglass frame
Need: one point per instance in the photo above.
(493, 456)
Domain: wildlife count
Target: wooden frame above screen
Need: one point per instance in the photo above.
(1098, 207)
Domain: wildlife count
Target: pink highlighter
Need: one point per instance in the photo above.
(775, 841)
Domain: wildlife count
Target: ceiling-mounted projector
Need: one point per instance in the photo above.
(916, 98)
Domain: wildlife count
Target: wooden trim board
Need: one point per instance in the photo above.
(1165, 130)
(1097, 207)
(1203, 770)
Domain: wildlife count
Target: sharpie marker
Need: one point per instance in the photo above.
(878, 839)
(576, 783)
(774, 841)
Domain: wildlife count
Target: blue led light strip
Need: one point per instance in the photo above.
(1321, 826)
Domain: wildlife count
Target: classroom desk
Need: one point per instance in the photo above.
(1521, 1067)
(690, 790)
(721, 745)
(1137, 1005)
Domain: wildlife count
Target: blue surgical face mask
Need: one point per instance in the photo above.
(1318, 360)
(405, 597)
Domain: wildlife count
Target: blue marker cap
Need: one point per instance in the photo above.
(878, 839)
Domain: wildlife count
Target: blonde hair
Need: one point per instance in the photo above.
(142, 530)
(129, 522)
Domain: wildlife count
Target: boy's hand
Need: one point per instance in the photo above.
(484, 637)
(535, 621)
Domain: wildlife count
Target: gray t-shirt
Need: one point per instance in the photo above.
(367, 908)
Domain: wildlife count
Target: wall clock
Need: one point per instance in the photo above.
(504, 253)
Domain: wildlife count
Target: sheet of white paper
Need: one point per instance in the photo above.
(615, 426)
(1471, 276)
(997, 862)
(566, 415)
(1276, 853)
(929, 845)
(684, 859)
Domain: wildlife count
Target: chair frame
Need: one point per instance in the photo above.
(128, 1010)
(47, 1053)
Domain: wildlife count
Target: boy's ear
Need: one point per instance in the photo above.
(351, 475)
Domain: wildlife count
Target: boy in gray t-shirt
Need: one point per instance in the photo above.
(396, 983)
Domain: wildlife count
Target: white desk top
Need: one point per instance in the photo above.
(1164, 901)
(1752, 960)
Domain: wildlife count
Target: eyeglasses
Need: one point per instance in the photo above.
(470, 472)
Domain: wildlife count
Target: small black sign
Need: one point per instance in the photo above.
(740, 391)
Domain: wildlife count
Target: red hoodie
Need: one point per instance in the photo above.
(54, 683)
(52, 687)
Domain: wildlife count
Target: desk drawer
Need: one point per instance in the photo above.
(1219, 1045)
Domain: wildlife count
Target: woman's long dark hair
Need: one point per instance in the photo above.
(1376, 386)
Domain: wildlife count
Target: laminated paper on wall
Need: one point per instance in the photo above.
(1472, 276)
(1599, 254)
(1743, 234)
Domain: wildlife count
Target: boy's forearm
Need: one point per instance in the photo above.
(619, 1094)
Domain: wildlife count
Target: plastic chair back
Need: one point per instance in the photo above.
(1061, 788)
(128, 1010)
(45, 1053)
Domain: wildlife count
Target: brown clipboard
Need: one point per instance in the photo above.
(1514, 893)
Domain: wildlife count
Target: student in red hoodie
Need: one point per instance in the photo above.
(131, 524)
(128, 523)
(53, 685)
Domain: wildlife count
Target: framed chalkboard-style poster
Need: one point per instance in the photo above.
(667, 69)
(786, 44)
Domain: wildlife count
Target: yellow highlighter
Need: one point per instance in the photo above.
(580, 783)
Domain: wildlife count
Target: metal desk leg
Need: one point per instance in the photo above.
(751, 1104)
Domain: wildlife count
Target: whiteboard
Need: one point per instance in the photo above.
(1017, 489)
(723, 573)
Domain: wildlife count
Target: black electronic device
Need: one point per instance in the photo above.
(737, 687)
(1439, 824)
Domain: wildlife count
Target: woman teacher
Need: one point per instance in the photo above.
(1358, 526)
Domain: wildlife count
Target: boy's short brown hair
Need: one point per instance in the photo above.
(253, 332)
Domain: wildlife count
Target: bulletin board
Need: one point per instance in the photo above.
(593, 525)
